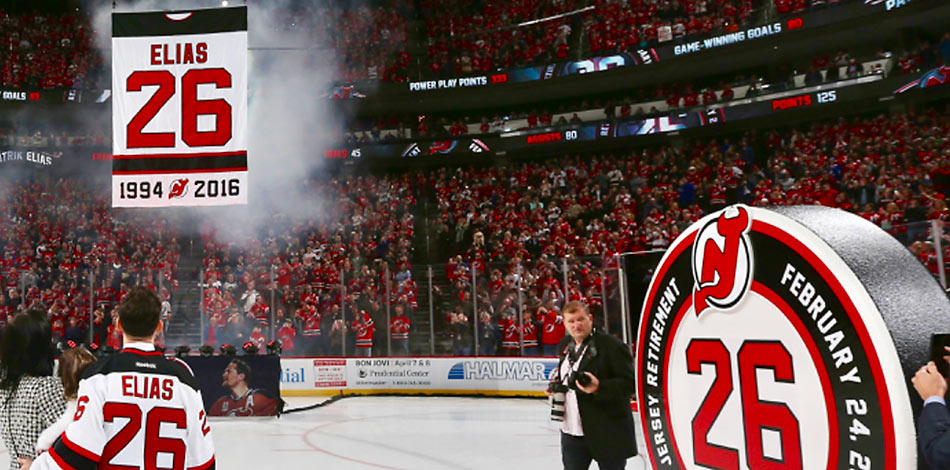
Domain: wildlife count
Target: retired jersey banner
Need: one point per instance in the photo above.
(179, 114)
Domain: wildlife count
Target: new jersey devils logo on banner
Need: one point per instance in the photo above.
(178, 188)
(722, 260)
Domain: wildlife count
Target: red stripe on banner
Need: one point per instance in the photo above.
(181, 155)
(170, 172)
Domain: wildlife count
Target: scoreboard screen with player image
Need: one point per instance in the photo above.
(239, 386)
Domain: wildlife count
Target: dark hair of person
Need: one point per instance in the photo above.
(26, 349)
(242, 368)
(139, 312)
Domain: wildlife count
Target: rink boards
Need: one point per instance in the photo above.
(526, 377)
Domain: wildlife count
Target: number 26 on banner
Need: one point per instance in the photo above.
(191, 108)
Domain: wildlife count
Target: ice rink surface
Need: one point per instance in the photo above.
(398, 433)
(395, 433)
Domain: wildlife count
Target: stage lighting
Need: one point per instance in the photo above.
(206, 350)
(250, 349)
(274, 347)
(94, 348)
(182, 351)
(229, 350)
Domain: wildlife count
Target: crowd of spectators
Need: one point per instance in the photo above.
(534, 235)
(467, 37)
(370, 39)
(292, 277)
(624, 26)
(58, 236)
(925, 56)
(515, 225)
(481, 36)
(47, 51)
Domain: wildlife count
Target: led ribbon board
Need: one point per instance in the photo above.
(784, 339)
(179, 115)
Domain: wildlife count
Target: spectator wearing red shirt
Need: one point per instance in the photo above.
(114, 340)
(529, 335)
(673, 101)
(260, 311)
(311, 331)
(690, 98)
(726, 94)
(532, 120)
(286, 335)
(363, 328)
(399, 327)
(552, 332)
(510, 336)
(257, 337)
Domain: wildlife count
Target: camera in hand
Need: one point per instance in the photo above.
(581, 378)
(558, 397)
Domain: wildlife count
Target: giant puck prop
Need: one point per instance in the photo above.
(784, 339)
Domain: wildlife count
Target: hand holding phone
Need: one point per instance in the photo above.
(940, 352)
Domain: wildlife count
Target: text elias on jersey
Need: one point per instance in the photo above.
(143, 386)
(179, 53)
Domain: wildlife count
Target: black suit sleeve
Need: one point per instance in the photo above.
(619, 384)
(933, 435)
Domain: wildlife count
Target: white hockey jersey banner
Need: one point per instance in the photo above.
(179, 111)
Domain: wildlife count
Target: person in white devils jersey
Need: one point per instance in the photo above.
(135, 408)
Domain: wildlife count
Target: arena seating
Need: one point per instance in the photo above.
(58, 235)
(42, 51)
(515, 227)
(892, 170)
(370, 40)
(466, 37)
(366, 230)
(512, 225)
(615, 27)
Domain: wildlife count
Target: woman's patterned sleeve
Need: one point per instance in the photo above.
(51, 402)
